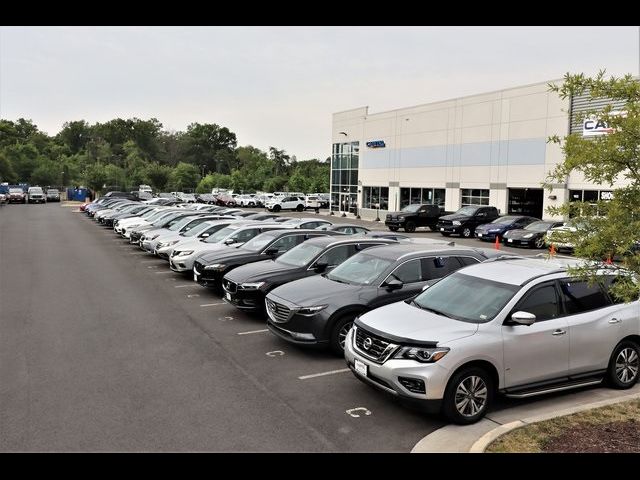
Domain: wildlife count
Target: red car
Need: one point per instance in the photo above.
(17, 195)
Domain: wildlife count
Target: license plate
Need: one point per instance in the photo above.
(442, 229)
(510, 240)
(227, 296)
(479, 235)
(360, 367)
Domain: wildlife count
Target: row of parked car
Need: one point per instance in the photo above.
(31, 195)
(484, 223)
(424, 320)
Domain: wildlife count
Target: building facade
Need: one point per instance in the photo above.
(488, 149)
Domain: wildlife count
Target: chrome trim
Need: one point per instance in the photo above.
(554, 389)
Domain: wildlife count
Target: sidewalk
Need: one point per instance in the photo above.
(475, 438)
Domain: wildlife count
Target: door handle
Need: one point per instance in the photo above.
(615, 320)
(559, 332)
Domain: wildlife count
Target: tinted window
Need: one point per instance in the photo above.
(245, 235)
(467, 261)
(336, 255)
(437, 267)
(409, 272)
(582, 297)
(542, 302)
(286, 243)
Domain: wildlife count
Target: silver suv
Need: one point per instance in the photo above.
(518, 326)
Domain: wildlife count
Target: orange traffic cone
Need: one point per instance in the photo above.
(497, 244)
(552, 250)
(609, 262)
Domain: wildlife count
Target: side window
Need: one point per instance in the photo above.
(542, 302)
(608, 281)
(286, 243)
(310, 225)
(409, 272)
(467, 261)
(347, 230)
(359, 230)
(336, 255)
(438, 267)
(245, 235)
(579, 296)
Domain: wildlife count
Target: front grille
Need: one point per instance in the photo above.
(445, 222)
(389, 217)
(229, 286)
(278, 312)
(373, 346)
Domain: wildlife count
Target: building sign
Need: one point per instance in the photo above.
(593, 127)
(376, 144)
(606, 195)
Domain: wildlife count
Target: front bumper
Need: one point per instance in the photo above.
(487, 236)
(519, 242)
(248, 300)
(385, 376)
(181, 263)
(449, 228)
(394, 223)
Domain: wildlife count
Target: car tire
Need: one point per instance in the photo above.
(473, 384)
(410, 227)
(300, 208)
(540, 243)
(339, 332)
(393, 229)
(624, 365)
(467, 232)
(276, 208)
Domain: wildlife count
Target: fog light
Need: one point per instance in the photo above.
(414, 385)
(303, 336)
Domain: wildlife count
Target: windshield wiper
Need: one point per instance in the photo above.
(432, 310)
(334, 279)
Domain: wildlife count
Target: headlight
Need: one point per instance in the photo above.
(251, 286)
(184, 252)
(166, 244)
(456, 223)
(528, 235)
(155, 236)
(308, 311)
(400, 217)
(423, 355)
(493, 230)
(215, 266)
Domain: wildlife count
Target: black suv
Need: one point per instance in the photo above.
(413, 216)
(246, 286)
(320, 310)
(210, 268)
(465, 220)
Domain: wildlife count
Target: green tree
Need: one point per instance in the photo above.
(95, 177)
(298, 183)
(280, 160)
(184, 177)
(74, 135)
(611, 160)
(211, 146)
(47, 173)
(158, 176)
(23, 158)
(7, 174)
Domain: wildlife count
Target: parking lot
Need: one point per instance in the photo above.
(103, 348)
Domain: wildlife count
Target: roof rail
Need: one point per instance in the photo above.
(505, 257)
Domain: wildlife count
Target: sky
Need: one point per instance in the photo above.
(278, 86)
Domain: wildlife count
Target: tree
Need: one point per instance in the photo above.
(158, 176)
(210, 145)
(280, 160)
(184, 176)
(611, 160)
(95, 177)
(74, 135)
(7, 174)
(48, 173)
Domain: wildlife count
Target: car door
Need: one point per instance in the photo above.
(540, 351)
(410, 273)
(595, 324)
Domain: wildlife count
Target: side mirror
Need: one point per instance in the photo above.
(229, 241)
(271, 251)
(394, 284)
(320, 267)
(204, 235)
(523, 318)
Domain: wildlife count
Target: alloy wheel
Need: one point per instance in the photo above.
(471, 396)
(627, 365)
(342, 334)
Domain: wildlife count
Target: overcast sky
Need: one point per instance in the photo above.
(279, 85)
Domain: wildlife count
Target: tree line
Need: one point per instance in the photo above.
(123, 154)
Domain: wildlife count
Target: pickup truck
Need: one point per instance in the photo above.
(465, 220)
(413, 216)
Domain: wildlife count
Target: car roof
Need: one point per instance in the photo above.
(282, 230)
(307, 219)
(520, 270)
(326, 241)
(395, 251)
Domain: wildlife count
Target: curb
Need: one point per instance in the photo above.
(483, 442)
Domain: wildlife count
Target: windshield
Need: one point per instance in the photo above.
(361, 269)
(258, 242)
(300, 256)
(15, 190)
(466, 298)
(196, 230)
(505, 220)
(411, 208)
(538, 226)
(467, 211)
(35, 190)
(52, 190)
(180, 223)
(220, 235)
(155, 215)
(165, 218)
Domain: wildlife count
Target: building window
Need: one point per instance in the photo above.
(375, 197)
(344, 176)
(474, 196)
(590, 197)
(431, 196)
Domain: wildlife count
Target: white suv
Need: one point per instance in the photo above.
(518, 326)
(285, 203)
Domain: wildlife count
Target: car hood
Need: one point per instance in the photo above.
(258, 271)
(521, 232)
(455, 216)
(229, 255)
(317, 290)
(406, 322)
(485, 227)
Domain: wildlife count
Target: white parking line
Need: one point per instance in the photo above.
(137, 253)
(212, 304)
(168, 271)
(331, 372)
(253, 331)
(149, 261)
(188, 285)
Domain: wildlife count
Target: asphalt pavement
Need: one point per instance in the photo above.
(103, 348)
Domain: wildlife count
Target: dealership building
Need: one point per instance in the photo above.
(486, 149)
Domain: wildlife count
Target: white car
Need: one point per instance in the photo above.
(164, 248)
(246, 201)
(312, 201)
(124, 227)
(285, 203)
(184, 254)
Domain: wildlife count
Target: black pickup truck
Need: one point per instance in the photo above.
(465, 220)
(413, 216)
